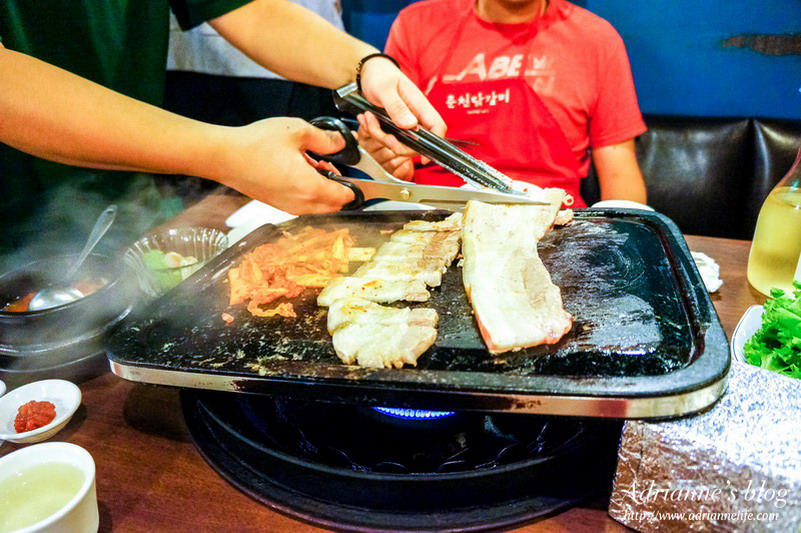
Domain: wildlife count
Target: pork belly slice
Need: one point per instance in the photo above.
(392, 270)
(400, 270)
(373, 289)
(415, 259)
(376, 336)
(443, 244)
(563, 217)
(355, 310)
(436, 253)
(426, 261)
(452, 223)
(381, 346)
(412, 237)
(515, 303)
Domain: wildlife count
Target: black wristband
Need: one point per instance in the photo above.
(364, 60)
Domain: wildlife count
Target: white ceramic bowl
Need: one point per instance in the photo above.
(64, 395)
(2, 388)
(745, 328)
(42, 476)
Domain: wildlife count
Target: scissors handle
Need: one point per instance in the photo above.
(358, 199)
(347, 156)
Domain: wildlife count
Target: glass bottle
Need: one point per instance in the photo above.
(775, 258)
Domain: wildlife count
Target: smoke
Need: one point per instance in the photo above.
(58, 219)
(65, 342)
(41, 241)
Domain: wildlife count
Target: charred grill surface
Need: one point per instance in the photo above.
(629, 318)
(640, 312)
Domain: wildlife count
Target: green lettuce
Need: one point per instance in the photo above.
(776, 345)
(160, 273)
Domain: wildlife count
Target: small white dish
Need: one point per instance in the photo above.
(252, 215)
(622, 204)
(257, 213)
(56, 482)
(64, 395)
(745, 328)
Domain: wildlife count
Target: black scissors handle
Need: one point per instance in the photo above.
(347, 156)
(358, 199)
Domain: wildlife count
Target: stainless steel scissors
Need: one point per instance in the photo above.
(385, 185)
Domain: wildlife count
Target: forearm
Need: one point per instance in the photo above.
(619, 174)
(624, 188)
(293, 42)
(51, 113)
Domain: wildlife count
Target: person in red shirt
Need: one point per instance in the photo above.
(538, 85)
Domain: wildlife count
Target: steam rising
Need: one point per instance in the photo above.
(46, 238)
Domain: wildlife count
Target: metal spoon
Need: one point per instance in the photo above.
(65, 293)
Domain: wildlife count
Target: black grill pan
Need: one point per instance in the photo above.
(645, 343)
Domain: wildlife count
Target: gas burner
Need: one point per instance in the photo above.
(413, 414)
(356, 469)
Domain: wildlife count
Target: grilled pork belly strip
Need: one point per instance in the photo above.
(354, 310)
(376, 336)
(400, 269)
(373, 346)
(442, 245)
(563, 217)
(452, 223)
(435, 255)
(391, 270)
(374, 289)
(515, 303)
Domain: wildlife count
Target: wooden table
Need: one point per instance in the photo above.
(151, 477)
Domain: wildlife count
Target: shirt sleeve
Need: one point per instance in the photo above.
(617, 116)
(191, 13)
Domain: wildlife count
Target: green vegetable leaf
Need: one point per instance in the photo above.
(776, 345)
(154, 259)
(160, 273)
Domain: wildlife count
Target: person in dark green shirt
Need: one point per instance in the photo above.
(80, 88)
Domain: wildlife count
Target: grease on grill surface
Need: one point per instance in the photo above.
(615, 277)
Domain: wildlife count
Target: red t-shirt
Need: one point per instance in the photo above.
(573, 60)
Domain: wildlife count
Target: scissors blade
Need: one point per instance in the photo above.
(436, 196)
(373, 168)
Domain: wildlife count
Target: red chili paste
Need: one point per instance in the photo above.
(34, 415)
(20, 305)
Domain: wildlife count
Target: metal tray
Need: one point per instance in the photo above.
(645, 343)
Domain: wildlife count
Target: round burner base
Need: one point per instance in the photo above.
(300, 480)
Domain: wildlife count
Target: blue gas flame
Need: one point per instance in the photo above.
(414, 414)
